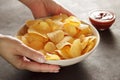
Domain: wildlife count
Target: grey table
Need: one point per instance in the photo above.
(103, 64)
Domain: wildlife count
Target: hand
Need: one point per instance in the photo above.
(16, 53)
(43, 8)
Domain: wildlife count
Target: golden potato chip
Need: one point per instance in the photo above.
(71, 30)
(76, 48)
(54, 25)
(23, 39)
(85, 29)
(42, 51)
(81, 37)
(85, 42)
(35, 37)
(30, 23)
(60, 17)
(65, 41)
(88, 48)
(73, 21)
(90, 44)
(62, 44)
(37, 45)
(52, 57)
(64, 52)
(49, 47)
(56, 36)
(41, 27)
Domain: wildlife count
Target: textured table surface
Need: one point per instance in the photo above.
(102, 64)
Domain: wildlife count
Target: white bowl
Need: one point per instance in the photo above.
(68, 62)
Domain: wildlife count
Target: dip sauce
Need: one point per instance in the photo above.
(101, 19)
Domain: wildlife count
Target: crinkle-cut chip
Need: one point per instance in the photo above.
(60, 17)
(56, 36)
(41, 27)
(30, 23)
(49, 47)
(76, 48)
(37, 45)
(62, 44)
(64, 52)
(72, 21)
(52, 57)
(35, 37)
(85, 29)
(71, 30)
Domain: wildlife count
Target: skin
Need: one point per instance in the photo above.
(15, 52)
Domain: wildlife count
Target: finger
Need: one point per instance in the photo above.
(31, 53)
(36, 67)
(65, 11)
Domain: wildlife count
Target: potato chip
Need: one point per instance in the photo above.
(60, 17)
(50, 47)
(90, 44)
(41, 27)
(85, 29)
(30, 23)
(62, 44)
(76, 48)
(23, 39)
(35, 37)
(52, 57)
(56, 36)
(72, 21)
(88, 48)
(64, 52)
(71, 30)
(85, 42)
(65, 41)
(37, 45)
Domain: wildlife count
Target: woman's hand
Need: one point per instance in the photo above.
(16, 53)
(43, 8)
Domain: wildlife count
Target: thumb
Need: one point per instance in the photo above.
(31, 54)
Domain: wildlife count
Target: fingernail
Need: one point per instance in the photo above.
(41, 60)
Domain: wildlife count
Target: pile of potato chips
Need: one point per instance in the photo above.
(59, 37)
